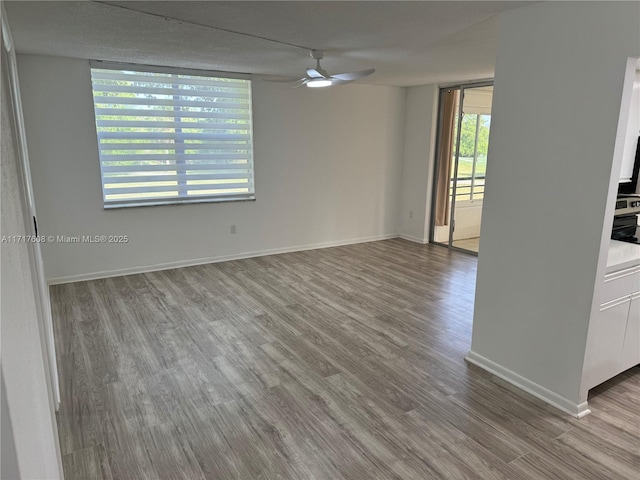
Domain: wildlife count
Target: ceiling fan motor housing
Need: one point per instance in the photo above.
(317, 54)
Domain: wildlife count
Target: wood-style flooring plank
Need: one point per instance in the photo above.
(89, 463)
(339, 363)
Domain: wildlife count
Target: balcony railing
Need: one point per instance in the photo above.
(468, 188)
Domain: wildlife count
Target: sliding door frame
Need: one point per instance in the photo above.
(436, 169)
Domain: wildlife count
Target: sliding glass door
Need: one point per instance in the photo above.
(461, 162)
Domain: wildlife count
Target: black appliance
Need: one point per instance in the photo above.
(625, 220)
(630, 187)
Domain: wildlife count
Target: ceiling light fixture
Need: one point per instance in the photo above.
(319, 83)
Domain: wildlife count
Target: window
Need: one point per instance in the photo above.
(167, 136)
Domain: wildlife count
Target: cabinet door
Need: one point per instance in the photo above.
(631, 347)
(609, 340)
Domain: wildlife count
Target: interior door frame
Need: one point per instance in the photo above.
(40, 286)
(462, 87)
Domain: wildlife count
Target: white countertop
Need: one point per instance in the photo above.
(622, 255)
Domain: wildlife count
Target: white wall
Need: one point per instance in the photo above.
(9, 467)
(468, 218)
(558, 87)
(327, 171)
(29, 436)
(418, 161)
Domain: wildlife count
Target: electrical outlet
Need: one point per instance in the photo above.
(410, 213)
(233, 229)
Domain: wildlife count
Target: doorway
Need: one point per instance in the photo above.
(461, 163)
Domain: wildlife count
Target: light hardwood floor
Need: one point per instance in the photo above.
(341, 363)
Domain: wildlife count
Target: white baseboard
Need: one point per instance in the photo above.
(216, 259)
(544, 394)
(411, 238)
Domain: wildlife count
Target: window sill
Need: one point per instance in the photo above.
(157, 203)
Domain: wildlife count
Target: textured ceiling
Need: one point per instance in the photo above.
(408, 43)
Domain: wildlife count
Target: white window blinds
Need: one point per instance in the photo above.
(168, 137)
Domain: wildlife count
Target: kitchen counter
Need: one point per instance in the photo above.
(622, 255)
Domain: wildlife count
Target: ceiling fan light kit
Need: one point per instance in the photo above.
(319, 83)
(318, 77)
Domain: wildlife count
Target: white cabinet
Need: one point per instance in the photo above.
(631, 346)
(609, 333)
(614, 343)
(620, 284)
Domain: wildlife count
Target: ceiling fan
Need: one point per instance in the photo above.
(319, 77)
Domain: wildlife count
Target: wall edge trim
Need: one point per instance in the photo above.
(555, 400)
(411, 238)
(215, 259)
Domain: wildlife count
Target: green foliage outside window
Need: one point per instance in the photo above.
(468, 134)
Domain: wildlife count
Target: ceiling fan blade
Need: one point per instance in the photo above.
(283, 80)
(335, 81)
(317, 73)
(300, 83)
(349, 77)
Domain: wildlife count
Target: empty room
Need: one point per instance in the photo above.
(308, 240)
